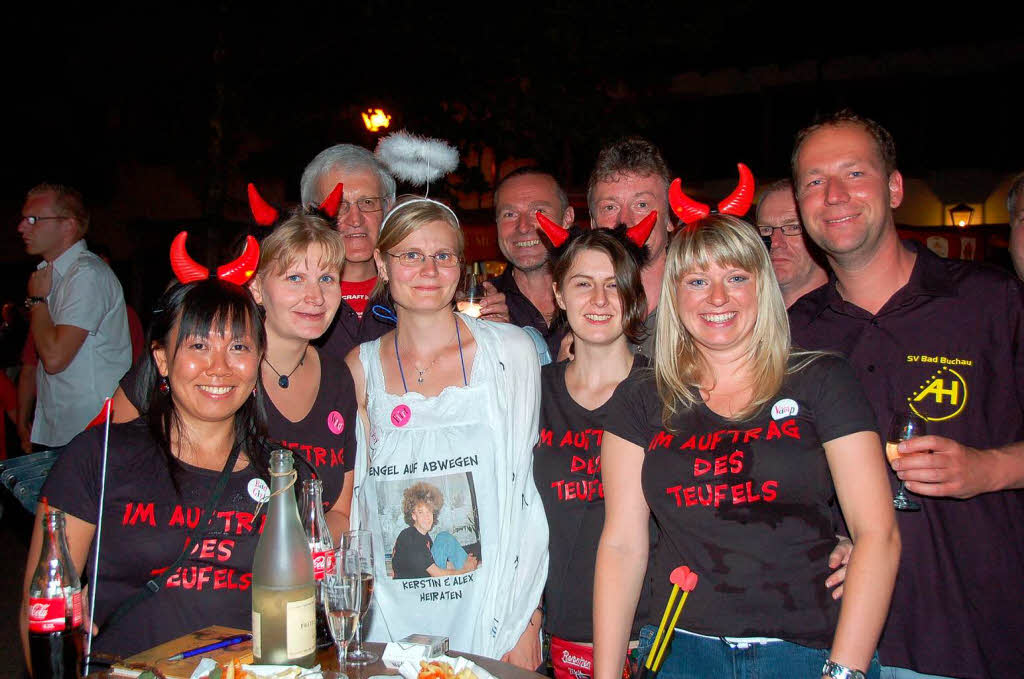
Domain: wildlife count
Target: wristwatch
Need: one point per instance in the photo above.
(837, 671)
(32, 301)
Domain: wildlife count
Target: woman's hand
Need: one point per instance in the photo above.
(837, 561)
(527, 652)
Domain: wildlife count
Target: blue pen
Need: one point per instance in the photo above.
(223, 643)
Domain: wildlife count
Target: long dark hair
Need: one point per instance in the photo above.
(196, 308)
(627, 279)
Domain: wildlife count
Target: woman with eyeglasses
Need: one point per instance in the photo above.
(452, 401)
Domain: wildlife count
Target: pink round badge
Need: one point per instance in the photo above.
(335, 422)
(400, 415)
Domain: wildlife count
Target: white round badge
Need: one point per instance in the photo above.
(259, 490)
(783, 408)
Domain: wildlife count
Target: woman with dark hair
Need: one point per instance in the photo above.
(739, 446)
(310, 404)
(601, 299)
(203, 430)
(450, 400)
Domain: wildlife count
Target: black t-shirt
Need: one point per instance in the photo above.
(145, 522)
(325, 437)
(412, 556)
(746, 504)
(567, 471)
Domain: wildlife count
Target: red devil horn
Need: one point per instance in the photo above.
(688, 209)
(555, 232)
(242, 269)
(185, 268)
(263, 212)
(738, 202)
(332, 202)
(639, 233)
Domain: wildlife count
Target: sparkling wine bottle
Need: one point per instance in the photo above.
(283, 588)
(55, 606)
(321, 549)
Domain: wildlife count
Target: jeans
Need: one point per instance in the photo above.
(903, 673)
(446, 548)
(694, 657)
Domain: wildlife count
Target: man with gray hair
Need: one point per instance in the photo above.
(369, 193)
(796, 268)
(1015, 206)
(629, 180)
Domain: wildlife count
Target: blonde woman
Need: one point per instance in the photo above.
(737, 447)
(310, 404)
(452, 401)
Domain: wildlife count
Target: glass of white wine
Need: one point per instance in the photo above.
(342, 590)
(361, 543)
(467, 297)
(903, 426)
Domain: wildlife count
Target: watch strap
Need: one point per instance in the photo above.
(834, 670)
(32, 301)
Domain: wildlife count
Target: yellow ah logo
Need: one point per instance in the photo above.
(940, 398)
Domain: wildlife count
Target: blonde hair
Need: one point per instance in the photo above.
(410, 214)
(293, 238)
(680, 367)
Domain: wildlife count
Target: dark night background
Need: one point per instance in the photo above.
(161, 114)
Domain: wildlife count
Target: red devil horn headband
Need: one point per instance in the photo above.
(737, 203)
(642, 231)
(332, 202)
(555, 232)
(238, 272)
(263, 212)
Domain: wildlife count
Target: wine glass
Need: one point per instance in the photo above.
(467, 297)
(361, 543)
(903, 426)
(341, 592)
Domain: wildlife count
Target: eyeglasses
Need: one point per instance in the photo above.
(445, 260)
(364, 204)
(32, 219)
(787, 230)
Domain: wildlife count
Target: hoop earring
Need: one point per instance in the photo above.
(163, 385)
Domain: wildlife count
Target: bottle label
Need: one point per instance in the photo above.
(76, 609)
(257, 637)
(46, 615)
(323, 563)
(301, 632)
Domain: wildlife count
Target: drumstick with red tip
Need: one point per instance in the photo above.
(684, 579)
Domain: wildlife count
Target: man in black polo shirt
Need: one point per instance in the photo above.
(940, 338)
(526, 281)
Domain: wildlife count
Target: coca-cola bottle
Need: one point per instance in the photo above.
(55, 606)
(321, 549)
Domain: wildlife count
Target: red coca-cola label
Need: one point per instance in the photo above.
(323, 563)
(46, 615)
(76, 609)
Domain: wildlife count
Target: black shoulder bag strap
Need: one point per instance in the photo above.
(159, 582)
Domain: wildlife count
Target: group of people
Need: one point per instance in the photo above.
(688, 419)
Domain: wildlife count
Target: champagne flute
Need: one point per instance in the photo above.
(903, 426)
(361, 543)
(341, 592)
(467, 297)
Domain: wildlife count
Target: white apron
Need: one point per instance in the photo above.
(473, 446)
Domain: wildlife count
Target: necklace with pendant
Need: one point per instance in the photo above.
(282, 380)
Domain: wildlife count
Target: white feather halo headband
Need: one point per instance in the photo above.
(416, 160)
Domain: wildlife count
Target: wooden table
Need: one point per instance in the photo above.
(329, 661)
(328, 658)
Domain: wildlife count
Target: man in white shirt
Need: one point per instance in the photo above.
(77, 316)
